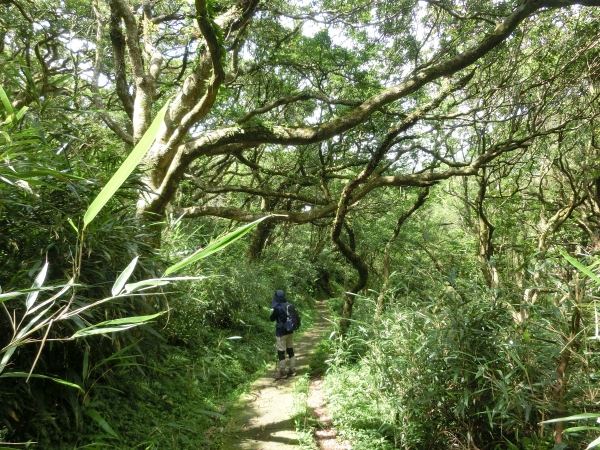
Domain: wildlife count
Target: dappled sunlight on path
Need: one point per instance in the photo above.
(262, 420)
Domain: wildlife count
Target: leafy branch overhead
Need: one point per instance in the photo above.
(225, 101)
(248, 79)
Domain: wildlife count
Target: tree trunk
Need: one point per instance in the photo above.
(386, 255)
(260, 238)
(561, 384)
(363, 276)
(485, 232)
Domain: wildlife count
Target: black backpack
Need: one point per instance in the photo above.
(292, 321)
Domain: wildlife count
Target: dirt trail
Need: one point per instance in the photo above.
(261, 420)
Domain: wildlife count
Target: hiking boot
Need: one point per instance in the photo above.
(291, 372)
(280, 374)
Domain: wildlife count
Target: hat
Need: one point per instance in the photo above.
(278, 298)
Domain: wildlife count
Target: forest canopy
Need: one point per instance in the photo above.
(302, 110)
(341, 121)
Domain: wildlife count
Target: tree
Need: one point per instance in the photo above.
(383, 94)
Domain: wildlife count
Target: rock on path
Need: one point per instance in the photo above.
(262, 420)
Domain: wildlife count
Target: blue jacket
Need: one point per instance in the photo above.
(279, 314)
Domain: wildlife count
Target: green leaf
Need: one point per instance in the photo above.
(153, 282)
(5, 101)
(8, 352)
(6, 136)
(126, 168)
(9, 295)
(211, 413)
(33, 375)
(215, 246)
(39, 281)
(121, 324)
(576, 429)
(117, 329)
(100, 420)
(515, 359)
(73, 225)
(593, 444)
(575, 417)
(33, 324)
(580, 266)
(126, 320)
(122, 279)
(28, 174)
(86, 364)
(64, 289)
(21, 112)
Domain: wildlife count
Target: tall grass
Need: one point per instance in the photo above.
(455, 366)
(69, 332)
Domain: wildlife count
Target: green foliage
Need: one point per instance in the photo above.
(456, 368)
(125, 169)
(453, 359)
(54, 317)
(215, 246)
(218, 339)
(302, 414)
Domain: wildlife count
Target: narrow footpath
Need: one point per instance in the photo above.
(261, 420)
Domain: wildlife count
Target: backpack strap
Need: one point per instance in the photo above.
(283, 306)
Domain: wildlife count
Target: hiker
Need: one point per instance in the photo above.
(283, 336)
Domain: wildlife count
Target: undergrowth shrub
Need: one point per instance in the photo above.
(237, 294)
(43, 193)
(455, 372)
(218, 337)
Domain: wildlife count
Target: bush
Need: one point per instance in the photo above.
(433, 375)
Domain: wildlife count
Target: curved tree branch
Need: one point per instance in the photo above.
(295, 98)
(386, 253)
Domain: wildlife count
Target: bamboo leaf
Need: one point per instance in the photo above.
(594, 443)
(28, 174)
(211, 413)
(39, 281)
(115, 325)
(73, 225)
(575, 417)
(65, 288)
(26, 375)
(580, 266)
(154, 282)
(126, 320)
(576, 429)
(21, 112)
(126, 168)
(24, 331)
(515, 359)
(9, 295)
(118, 356)
(86, 364)
(215, 246)
(100, 421)
(122, 279)
(5, 101)
(83, 333)
(7, 354)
